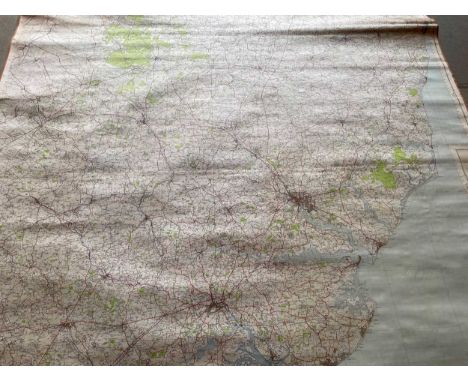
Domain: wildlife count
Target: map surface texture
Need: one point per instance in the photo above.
(218, 190)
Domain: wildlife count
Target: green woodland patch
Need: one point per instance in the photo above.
(386, 177)
(45, 153)
(111, 305)
(162, 43)
(413, 92)
(400, 156)
(137, 45)
(137, 19)
(383, 176)
(151, 98)
(199, 56)
(129, 87)
(94, 83)
(158, 354)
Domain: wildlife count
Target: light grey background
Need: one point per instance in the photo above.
(453, 34)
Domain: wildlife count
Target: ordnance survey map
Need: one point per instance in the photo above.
(256, 190)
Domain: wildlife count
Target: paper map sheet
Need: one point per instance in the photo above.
(232, 191)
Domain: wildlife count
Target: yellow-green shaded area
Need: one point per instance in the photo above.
(296, 227)
(199, 56)
(400, 156)
(94, 83)
(137, 45)
(129, 87)
(137, 19)
(158, 354)
(45, 153)
(151, 98)
(413, 92)
(162, 43)
(383, 176)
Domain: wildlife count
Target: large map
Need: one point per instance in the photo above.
(204, 190)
